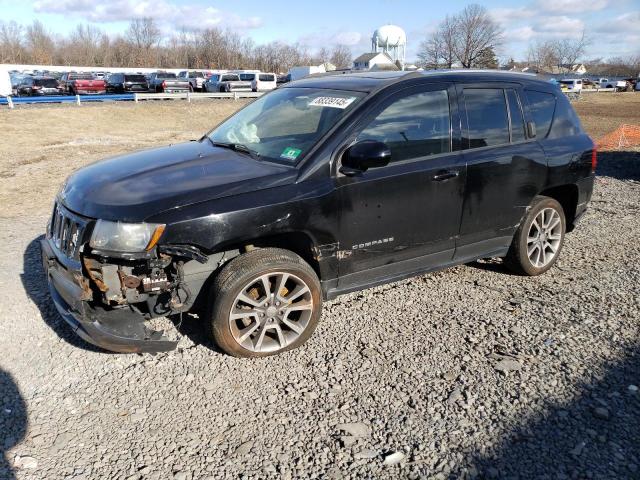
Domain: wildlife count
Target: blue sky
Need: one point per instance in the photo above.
(612, 25)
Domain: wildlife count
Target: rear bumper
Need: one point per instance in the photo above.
(118, 330)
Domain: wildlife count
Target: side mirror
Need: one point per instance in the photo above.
(531, 129)
(364, 155)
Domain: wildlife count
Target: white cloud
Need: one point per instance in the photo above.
(625, 23)
(506, 15)
(521, 34)
(348, 38)
(560, 26)
(572, 6)
(188, 15)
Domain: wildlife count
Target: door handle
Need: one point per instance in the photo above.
(445, 175)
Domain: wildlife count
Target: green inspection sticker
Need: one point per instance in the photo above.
(290, 153)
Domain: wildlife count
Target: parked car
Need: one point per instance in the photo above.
(604, 83)
(280, 79)
(264, 82)
(195, 78)
(167, 82)
(74, 83)
(226, 82)
(322, 187)
(571, 85)
(127, 82)
(38, 86)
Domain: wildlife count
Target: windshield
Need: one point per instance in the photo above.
(134, 78)
(284, 125)
(46, 82)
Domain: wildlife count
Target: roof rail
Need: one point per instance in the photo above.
(478, 70)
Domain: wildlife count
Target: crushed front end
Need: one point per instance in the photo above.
(108, 297)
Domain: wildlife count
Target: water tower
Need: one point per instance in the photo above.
(392, 40)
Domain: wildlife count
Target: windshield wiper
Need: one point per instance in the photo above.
(238, 147)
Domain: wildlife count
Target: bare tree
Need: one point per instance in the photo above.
(567, 51)
(541, 55)
(11, 43)
(462, 38)
(39, 44)
(475, 31)
(341, 56)
(144, 36)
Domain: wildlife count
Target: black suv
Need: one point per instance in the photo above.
(126, 82)
(324, 186)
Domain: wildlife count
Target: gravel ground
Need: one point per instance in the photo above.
(467, 373)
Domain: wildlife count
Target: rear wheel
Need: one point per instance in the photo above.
(264, 302)
(538, 240)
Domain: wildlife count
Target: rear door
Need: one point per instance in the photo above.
(505, 168)
(403, 217)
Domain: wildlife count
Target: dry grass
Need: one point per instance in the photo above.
(42, 146)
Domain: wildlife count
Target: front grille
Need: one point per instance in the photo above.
(66, 231)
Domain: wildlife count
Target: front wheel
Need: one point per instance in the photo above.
(264, 302)
(538, 240)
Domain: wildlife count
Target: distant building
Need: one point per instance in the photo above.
(374, 61)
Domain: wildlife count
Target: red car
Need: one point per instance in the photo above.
(74, 83)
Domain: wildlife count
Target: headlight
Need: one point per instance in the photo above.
(125, 237)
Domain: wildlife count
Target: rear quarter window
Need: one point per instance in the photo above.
(565, 120)
(541, 105)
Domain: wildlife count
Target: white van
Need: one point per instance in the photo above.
(263, 82)
(5, 83)
(571, 84)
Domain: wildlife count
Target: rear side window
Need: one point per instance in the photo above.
(413, 126)
(542, 106)
(267, 78)
(515, 114)
(487, 117)
(247, 77)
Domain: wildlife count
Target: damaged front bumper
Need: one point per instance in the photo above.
(117, 329)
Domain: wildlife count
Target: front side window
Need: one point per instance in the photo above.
(488, 121)
(285, 124)
(414, 126)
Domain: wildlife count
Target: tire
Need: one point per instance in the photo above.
(532, 251)
(247, 336)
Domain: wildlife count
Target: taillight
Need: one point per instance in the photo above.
(594, 159)
(164, 84)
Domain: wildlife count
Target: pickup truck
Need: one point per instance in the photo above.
(226, 82)
(195, 78)
(73, 83)
(166, 82)
(322, 187)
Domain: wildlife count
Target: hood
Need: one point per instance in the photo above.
(132, 187)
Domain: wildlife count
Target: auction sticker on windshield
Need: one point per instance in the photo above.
(333, 102)
(290, 153)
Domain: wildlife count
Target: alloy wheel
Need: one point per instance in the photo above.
(544, 237)
(271, 312)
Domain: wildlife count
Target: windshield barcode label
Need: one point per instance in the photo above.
(333, 102)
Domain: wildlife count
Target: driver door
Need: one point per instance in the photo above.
(403, 218)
